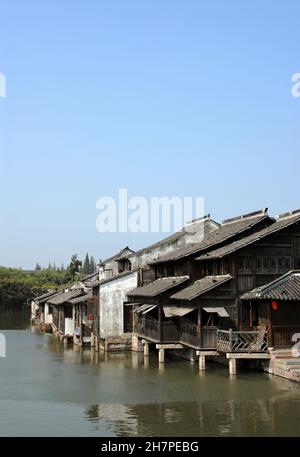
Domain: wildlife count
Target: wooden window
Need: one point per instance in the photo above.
(245, 264)
(258, 265)
(245, 283)
(283, 264)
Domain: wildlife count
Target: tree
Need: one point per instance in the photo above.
(38, 267)
(86, 265)
(92, 265)
(62, 268)
(49, 266)
(74, 266)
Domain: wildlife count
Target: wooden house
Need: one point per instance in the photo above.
(206, 311)
(277, 306)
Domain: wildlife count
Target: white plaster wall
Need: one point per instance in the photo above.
(34, 308)
(112, 297)
(69, 326)
(48, 317)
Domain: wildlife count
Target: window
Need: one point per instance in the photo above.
(68, 311)
(245, 264)
(258, 264)
(266, 264)
(283, 264)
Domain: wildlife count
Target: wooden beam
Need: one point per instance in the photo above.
(247, 355)
(170, 346)
(209, 353)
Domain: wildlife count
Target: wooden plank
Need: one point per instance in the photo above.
(169, 346)
(207, 353)
(245, 355)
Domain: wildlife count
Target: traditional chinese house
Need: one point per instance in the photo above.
(205, 311)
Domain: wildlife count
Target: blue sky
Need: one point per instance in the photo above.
(185, 98)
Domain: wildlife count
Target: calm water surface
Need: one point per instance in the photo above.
(46, 390)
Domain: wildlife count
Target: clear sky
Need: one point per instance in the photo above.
(185, 98)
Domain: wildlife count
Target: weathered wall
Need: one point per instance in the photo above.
(112, 297)
(141, 259)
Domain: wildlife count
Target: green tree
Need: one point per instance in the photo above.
(38, 267)
(92, 265)
(74, 266)
(49, 266)
(86, 265)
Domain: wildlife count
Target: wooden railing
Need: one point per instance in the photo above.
(181, 331)
(232, 341)
(189, 333)
(209, 338)
(146, 326)
(169, 332)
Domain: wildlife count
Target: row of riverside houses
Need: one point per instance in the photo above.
(234, 295)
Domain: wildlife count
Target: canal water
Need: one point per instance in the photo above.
(46, 390)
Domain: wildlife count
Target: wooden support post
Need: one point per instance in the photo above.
(232, 366)
(161, 355)
(270, 330)
(146, 349)
(159, 322)
(230, 340)
(199, 325)
(202, 366)
(146, 362)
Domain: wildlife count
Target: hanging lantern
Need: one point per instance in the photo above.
(274, 305)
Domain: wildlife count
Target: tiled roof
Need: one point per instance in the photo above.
(227, 230)
(44, 297)
(120, 255)
(157, 287)
(65, 296)
(281, 223)
(190, 228)
(200, 287)
(81, 298)
(287, 287)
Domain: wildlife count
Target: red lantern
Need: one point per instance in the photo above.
(274, 305)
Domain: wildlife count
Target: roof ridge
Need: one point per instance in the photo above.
(292, 213)
(253, 214)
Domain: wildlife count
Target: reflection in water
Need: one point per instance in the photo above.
(76, 391)
(222, 418)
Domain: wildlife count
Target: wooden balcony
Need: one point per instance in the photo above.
(180, 331)
(235, 341)
(147, 327)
